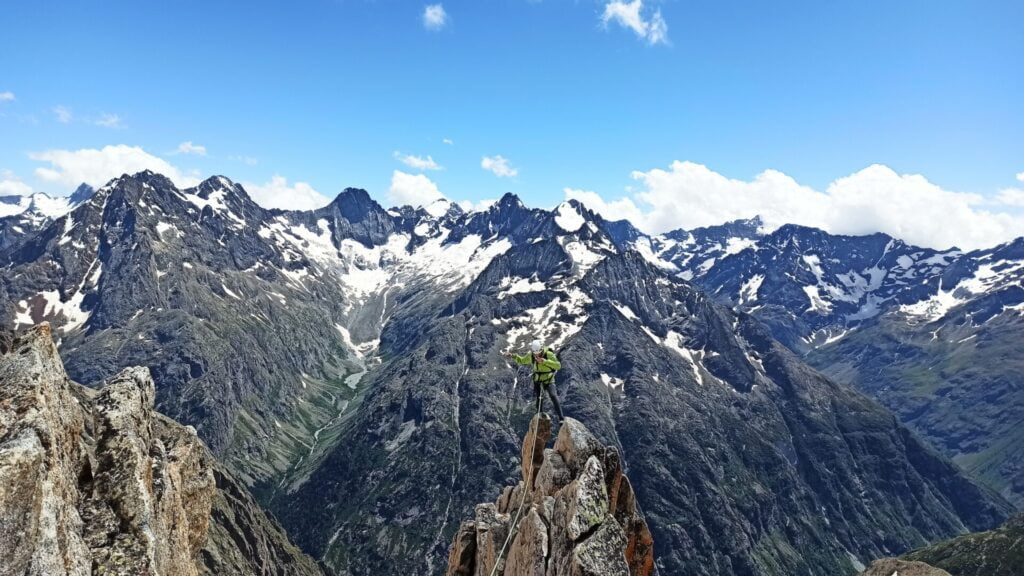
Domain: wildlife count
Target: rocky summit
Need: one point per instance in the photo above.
(96, 482)
(572, 512)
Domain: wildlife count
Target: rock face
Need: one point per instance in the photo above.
(997, 552)
(98, 483)
(576, 516)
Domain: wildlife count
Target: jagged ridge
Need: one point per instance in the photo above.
(98, 483)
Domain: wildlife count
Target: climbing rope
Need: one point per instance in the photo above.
(526, 490)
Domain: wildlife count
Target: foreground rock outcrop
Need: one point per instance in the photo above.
(572, 513)
(99, 483)
(998, 552)
(897, 567)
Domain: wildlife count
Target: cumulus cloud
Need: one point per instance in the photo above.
(188, 147)
(108, 121)
(278, 193)
(449, 142)
(97, 166)
(499, 166)
(434, 17)
(875, 199)
(630, 15)
(63, 114)
(1020, 176)
(1011, 197)
(11, 185)
(412, 190)
(417, 162)
(7, 96)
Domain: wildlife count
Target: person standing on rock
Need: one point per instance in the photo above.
(545, 365)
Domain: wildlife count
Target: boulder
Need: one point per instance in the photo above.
(588, 501)
(552, 476)
(576, 444)
(529, 552)
(600, 554)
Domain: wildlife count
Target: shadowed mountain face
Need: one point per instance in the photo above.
(933, 335)
(348, 364)
(728, 437)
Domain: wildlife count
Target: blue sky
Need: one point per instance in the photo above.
(326, 92)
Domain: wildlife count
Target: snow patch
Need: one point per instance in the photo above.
(748, 292)
(519, 286)
(568, 217)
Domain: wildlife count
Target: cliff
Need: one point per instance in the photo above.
(97, 482)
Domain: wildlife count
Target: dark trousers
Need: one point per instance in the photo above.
(550, 385)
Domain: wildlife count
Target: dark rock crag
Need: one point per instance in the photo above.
(574, 509)
(97, 482)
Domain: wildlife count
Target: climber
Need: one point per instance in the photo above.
(545, 365)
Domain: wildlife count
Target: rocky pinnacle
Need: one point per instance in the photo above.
(574, 513)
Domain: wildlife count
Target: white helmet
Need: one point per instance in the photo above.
(536, 346)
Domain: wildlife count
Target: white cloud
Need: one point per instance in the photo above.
(630, 15)
(277, 193)
(449, 142)
(247, 160)
(875, 199)
(412, 189)
(63, 114)
(108, 121)
(7, 96)
(1020, 176)
(434, 17)
(478, 206)
(499, 165)
(417, 162)
(1011, 197)
(97, 166)
(11, 185)
(622, 208)
(188, 147)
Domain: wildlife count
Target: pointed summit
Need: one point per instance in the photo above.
(81, 194)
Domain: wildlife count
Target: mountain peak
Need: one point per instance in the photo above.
(81, 194)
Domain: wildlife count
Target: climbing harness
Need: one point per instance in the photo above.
(526, 490)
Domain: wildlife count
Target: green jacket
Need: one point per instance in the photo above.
(543, 371)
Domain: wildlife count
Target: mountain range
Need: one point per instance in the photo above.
(347, 364)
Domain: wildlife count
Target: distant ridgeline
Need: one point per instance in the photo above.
(347, 365)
